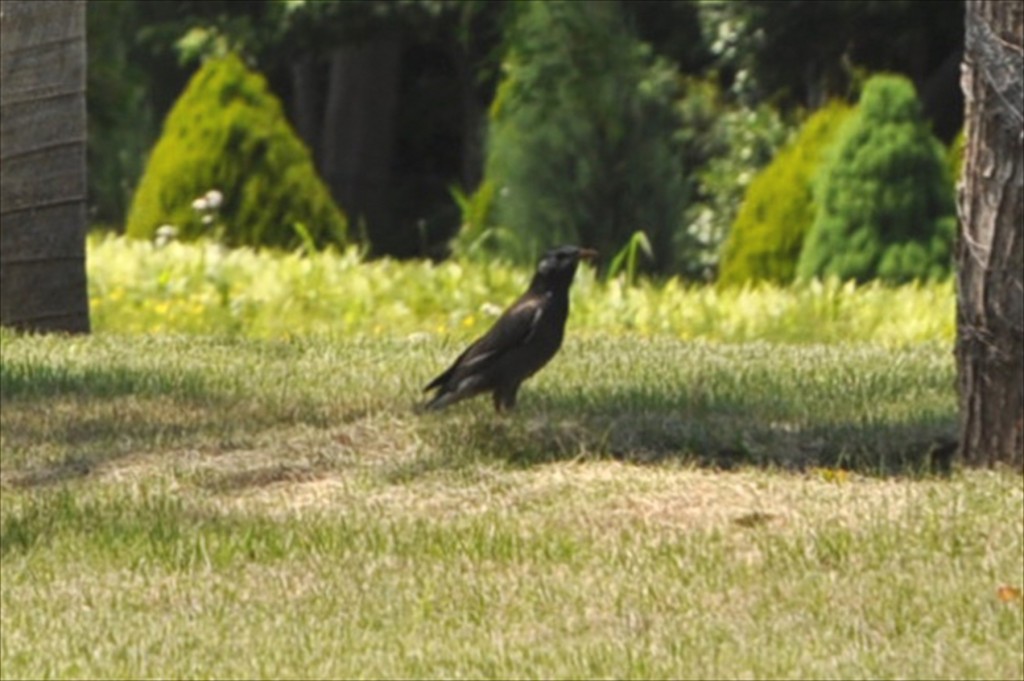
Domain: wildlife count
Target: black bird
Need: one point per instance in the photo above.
(524, 339)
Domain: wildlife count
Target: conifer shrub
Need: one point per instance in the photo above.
(885, 208)
(581, 145)
(227, 133)
(778, 208)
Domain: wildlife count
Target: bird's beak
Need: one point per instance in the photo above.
(588, 254)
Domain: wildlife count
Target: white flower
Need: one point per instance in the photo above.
(165, 234)
(213, 199)
(207, 220)
(199, 205)
(491, 309)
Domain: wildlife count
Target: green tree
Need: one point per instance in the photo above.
(885, 208)
(135, 74)
(388, 135)
(778, 208)
(581, 146)
(227, 133)
(120, 116)
(801, 53)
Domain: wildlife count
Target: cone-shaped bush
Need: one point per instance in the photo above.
(778, 208)
(227, 133)
(581, 144)
(884, 201)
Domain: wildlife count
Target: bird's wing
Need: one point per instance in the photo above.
(514, 328)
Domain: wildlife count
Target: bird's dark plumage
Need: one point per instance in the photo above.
(524, 339)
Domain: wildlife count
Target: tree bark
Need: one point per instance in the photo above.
(42, 166)
(473, 122)
(304, 103)
(990, 260)
(359, 130)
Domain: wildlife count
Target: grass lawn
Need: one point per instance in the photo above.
(197, 506)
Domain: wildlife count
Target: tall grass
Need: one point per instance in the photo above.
(135, 287)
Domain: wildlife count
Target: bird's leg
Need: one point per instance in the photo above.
(505, 398)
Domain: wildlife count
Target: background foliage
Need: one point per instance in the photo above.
(778, 207)
(727, 80)
(743, 140)
(885, 200)
(201, 287)
(121, 125)
(227, 133)
(580, 148)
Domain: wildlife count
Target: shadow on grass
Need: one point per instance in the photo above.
(87, 417)
(61, 424)
(160, 529)
(32, 382)
(720, 433)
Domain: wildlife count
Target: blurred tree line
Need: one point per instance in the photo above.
(482, 126)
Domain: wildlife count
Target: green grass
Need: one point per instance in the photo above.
(197, 506)
(228, 479)
(863, 406)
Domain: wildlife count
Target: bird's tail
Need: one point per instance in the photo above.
(437, 402)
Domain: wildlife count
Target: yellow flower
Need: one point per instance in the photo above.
(834, 475)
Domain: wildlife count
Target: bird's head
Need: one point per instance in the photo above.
(558, 266)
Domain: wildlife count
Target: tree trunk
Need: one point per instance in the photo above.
(42, 166)
(304, 103)
(359, 130)
(473, 122)
(990, 259)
